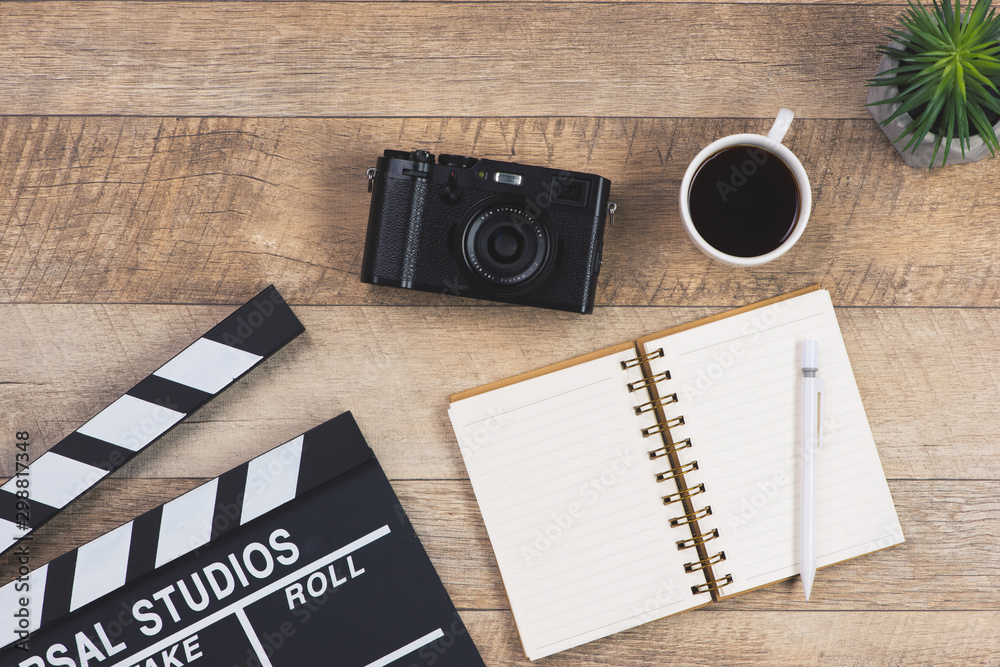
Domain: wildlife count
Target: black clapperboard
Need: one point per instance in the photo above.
(302, 556)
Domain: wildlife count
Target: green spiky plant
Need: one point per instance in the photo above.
(947, 74)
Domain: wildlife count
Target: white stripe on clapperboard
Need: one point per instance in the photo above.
(208, 366)
(56, 480)
(103, 563)
(238, 607)
(258, 648)
(185, 524)
(131, 423)
(409, 648)
(114, 423)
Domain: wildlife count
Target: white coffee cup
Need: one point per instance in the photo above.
(772, 143)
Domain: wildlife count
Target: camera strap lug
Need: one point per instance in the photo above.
(371, 178)
(612, 207)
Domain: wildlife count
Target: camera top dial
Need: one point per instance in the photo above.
(459, 161)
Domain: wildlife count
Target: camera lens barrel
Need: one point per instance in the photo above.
(507, 249)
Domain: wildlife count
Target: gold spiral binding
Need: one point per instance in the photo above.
(676, 472)
(713, 585)
(698, 539)
(685, 519)
(658, 403)
(638, 361)
(684, 494)
(669, 449)
(660, 427)
(648, 381)
(701, 564)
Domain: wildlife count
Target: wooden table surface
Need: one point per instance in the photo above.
(160, 162)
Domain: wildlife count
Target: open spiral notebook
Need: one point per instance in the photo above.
(659, 475)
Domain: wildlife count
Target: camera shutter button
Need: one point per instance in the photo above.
(450, 192)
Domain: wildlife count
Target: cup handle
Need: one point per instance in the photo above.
(781, 124)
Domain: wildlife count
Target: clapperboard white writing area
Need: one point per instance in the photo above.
(302, 556)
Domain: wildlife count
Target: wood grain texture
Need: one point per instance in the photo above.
(160, 162)
(948, 562)
(766, 628)
(192, 210)
(765, 639)
(932, 407)
(381, 59)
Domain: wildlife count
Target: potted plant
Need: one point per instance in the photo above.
(935, 91)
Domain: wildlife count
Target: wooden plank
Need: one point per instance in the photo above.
(948, 561)
(202, 210)
(766, 639)
(322, 59)
(928, 378)
(901, 4)
(948, 558)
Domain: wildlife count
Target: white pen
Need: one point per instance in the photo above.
(812, 392)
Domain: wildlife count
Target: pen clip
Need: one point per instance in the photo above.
(819, 414)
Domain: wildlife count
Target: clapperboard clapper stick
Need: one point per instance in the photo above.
(200, 372)
(301, 557)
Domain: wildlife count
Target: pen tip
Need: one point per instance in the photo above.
(807, 582)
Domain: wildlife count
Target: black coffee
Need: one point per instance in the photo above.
(744, 201)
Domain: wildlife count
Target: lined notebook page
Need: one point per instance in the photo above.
(573, 511)
(738, 381)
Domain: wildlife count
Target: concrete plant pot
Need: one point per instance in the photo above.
(976, 151)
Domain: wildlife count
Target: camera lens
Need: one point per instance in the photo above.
(506, 248)
(505, 245)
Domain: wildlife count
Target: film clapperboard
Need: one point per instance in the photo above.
(199, 373)
(302, 556)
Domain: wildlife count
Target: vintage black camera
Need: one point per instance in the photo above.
(485, 229)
